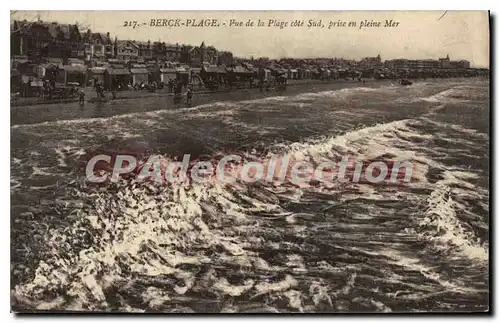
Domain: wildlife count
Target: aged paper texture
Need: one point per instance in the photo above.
(250, 161)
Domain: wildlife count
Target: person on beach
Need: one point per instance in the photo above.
(98, 90)
(81, 97)
(113, 92)
(179, 87)
(189, 95)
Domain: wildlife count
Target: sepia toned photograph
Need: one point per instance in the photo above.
(250, 161)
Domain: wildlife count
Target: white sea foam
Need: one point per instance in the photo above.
(155, 234)
(447, 228)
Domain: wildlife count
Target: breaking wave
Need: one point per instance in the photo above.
(265, 247)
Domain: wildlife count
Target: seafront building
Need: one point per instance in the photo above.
(443, 63)
(53, 53)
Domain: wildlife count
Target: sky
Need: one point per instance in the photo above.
(418, 34)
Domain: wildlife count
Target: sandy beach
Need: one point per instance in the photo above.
(130, 101)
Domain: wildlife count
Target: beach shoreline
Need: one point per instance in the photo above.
(138, 101)
(28, 114)
(90, 93)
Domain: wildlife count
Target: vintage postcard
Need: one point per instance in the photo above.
(250, 161)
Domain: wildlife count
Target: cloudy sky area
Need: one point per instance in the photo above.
(420, 34)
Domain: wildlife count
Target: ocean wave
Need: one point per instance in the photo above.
(261, 247)
(446, 229)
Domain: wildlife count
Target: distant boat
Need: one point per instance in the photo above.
(405, 82)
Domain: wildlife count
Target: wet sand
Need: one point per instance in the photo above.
(72, 110)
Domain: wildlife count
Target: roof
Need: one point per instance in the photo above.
(241, 70)
(141, 43)
(124, 42)
(90, 37)
(47, 28)
(139, 71)
(64, 30)
(55, 60)
(52, 28)
(167, 70)
(20, 59)
(171, 46)
(214, 69)
(117, 66)
(75, 61)
(98, 70)
(47, 65)
(75, 68)
(119, 71)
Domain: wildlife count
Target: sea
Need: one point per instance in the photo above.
(263, 247)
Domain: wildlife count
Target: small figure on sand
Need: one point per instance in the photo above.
(81, 97)
(189, 95)
(99, 90)
(113, 91)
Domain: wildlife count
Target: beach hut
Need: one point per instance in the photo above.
(241, 71)
(304, 73)
(140, 74)
(120, 76)
(15, 80)
(266, 74)
(335, 74)
(279, 72)
(316, 73)
(47, 71)
(293, 74)
(326, 74)
(42, 70)
(100, 74)
(154, 74)
(182, 75)
(17, 62)
(195, 77)
(59, 62)
(212, 72)
(75, 61)
(167, 74)
(75, 74)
